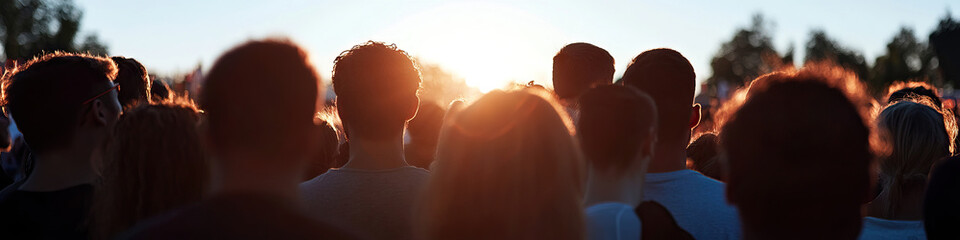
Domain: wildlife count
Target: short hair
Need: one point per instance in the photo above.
(798, 141)
(913, 90)
(941, 214)
(261, 96)
(581, 66)
(154, 163)
(45, 95)
(134, 81)
(669, 79)
(918, 138)
(160, 91)
(704, 155)
(372, 82)
(614, 122)
(507, 167)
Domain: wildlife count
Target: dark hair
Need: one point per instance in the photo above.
(326, 151)
(581, 66)
(777, 145)
(159, 90)
(375, 83)
(704, 155)
(261, 96)
(153, 164)
(424, 132)
(912, 90)
(669, 79)
(614, 122)
(941, 214)
(134, 81)
(58, 83)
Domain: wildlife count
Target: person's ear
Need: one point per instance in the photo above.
(413, 104)
(695, 116)
(100, 112)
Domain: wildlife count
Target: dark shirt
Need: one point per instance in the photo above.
(235, 216)
(58, 214)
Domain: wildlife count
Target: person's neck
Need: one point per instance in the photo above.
(604, 186)
(60, 169)
(909, 207)
(233, 175)
(668, 158)
(376, 154)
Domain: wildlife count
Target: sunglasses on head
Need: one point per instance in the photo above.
(115, 86)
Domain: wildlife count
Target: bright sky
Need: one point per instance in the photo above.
(492, 42)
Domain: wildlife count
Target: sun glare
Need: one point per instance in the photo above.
(490, 46)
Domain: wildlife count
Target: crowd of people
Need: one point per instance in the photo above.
(97, 150)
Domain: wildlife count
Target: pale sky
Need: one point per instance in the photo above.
(489, 42)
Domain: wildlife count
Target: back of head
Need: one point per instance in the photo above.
(669, 79)
(581, 66)
(703, 153)
(376, 86)
(941, 214)
(260, 99)
(615, 123)
(798, 153)
(153, 164)
(507, 168)
(46, 95)
(424, 132)
(133, 78)
(913, 90)
(159, 91)
(918, 137)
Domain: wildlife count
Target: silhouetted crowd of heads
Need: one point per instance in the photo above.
(96, 149)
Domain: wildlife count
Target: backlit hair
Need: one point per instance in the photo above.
(507, 168)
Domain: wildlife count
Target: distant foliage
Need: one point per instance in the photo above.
(31, 27)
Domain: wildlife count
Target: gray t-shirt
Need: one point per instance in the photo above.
(374, 204)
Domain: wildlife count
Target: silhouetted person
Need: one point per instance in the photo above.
(153, 164)
(798, 153)
(260, 147)
(374, 193)
(578, 67)
(918, 139)
(507, 167)
(617, 131)
(913, 90)
(696, 201)
(159, 91)
(65, 106)
(135, 81)
(941, 213)
(326, 150)
(702, 154)
(424, 130)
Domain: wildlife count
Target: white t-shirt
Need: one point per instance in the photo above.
(698, 203)
(878, 228)
(373, 204)
(612, 221)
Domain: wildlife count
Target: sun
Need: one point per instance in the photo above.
(490, 46)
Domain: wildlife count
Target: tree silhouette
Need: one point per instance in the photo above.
(748, 55)
(31, 27)
(906, 59)
(821, 47)
(944, 42)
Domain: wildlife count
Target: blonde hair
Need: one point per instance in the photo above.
(508, 167)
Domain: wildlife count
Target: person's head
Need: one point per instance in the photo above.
(153, 164)
(702, 153)
(134, 79)
(798, 154)
(159, 91)
(60, 99)
(941, 214)
(376, 86)
(617, 130)
(326, 150)
(424, 132)
(913, 90)
(918, 137)
(581, 66)
(669, 79)
(260, 101)
(507, 167)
